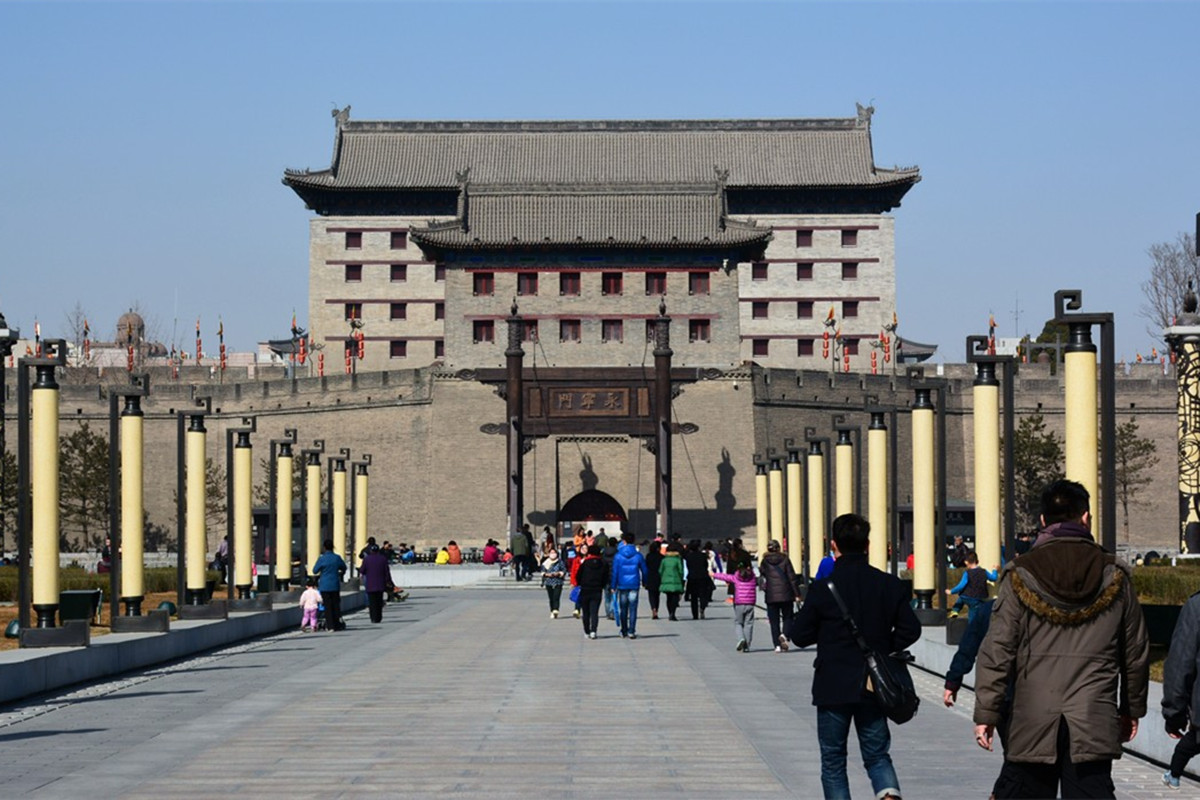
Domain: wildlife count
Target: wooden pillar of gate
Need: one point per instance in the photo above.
(514, 355)
(662, 419)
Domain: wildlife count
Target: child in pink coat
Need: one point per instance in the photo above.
(745, 592)
(310, 601)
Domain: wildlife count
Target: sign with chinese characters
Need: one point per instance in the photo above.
(589, 402)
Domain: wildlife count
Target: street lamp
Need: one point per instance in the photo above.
(8, 338)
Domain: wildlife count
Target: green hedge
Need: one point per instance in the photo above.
(159, 579)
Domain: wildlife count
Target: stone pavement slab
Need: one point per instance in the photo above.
(478, 693)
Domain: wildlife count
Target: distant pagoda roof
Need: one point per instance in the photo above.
(601, 183)
(756, 153)
(593, 217)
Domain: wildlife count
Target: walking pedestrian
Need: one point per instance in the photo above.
(879, 604)
(670, 578)
(592, 576)
(609, 553)
(778, 579)
(376, 575)
(520, 555)
(1067, 632)
(745, 592)
(553, 571)
(1181, 690)
(699, 583)
(654, 556)
(329, 569)
(310, 601)
(628, 575)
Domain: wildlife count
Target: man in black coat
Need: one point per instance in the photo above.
(880, 606)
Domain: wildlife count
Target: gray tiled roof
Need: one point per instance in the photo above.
(638, 217)
(757, 153)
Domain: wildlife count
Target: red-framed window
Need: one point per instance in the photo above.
(568, 284)
(804, 309)
(804, 271)
(527, 283)
(398, 348)
(354, 273)
(698, 283)
(760, 309)
(354, 240)
(804, 238)
(849, 308)
(849, 270)
(699, 330)
(758, 271)
(761, 347)
(611, 283)
(398, 311)
(656, 283)
(804, 347)
(399, 240)
(353, 311)
(483, 283)
(850, 237)
(569, 330)
(611, 330)
(398, 273)
(529, 332)
(483, 330)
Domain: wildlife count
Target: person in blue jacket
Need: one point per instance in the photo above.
(628, 575)
(329, 569)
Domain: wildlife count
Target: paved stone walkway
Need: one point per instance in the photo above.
(477, 693)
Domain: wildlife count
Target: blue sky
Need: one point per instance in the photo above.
(143, 143)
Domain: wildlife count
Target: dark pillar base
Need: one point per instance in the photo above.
(217, 609)
(260, 603)
(243, 592)
(955, 628)
(194, 597)
(46, 615)
(931, 617)
(156, 621)
(282, 584)
(133, 606)
(74, 633)
(924, 598)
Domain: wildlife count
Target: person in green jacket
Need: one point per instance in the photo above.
(670, 573)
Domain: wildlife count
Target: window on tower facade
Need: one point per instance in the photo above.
(399, 348)
(439, 348)
(399, 273)
(697, 283)
(484, 330)
(354, 240)
(759, 309)
(611, 330)
(849, 237)
(439, 273)
(804, 271)
(804, 347)
(656, 283)
(699, 330)
(650, 331)
(758, 271)
(804, 309)
(527, 283)
(761, 347)
(610, 283)
(399, 311)
(399, 240)
(529, 331)
(849, 308)
(850, 346)
(849, 270)
(568, 284)
(354, 273)
(804, 238)
(353, 311)
(568, 330)
(439, 310)
(483, 283)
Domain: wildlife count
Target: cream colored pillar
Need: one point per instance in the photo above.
(877, 490)
(795, 540)
(337, 507)
(818, 525)
(243, 516)
(43, 473)
(925, 550)
(132, 503)
(775, 487)
(843, 462)
(761, 508)
(360, 505)
(196, 531)
(283, 513)
(312, 499)
(986, 418)
(1082, 416)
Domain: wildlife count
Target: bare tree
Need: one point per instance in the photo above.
(1135, 457)
(1172, 266)
(75, 322)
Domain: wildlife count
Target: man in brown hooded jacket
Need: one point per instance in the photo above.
(1068, 640)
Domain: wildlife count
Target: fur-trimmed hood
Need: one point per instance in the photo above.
(1067, 581)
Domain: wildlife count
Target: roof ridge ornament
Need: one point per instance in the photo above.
(340, 116)
(864, 114)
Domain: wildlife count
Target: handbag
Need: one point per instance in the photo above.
(574, 594)
(889, 676)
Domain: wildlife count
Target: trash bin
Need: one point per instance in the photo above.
(80, 604)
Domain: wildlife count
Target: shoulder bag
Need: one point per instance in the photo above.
(889, 676)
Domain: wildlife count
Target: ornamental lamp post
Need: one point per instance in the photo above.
(987, 452)
(818, 500)
(761, 503)
(1184, 340)
(795, 506)
(8, 337)
(1079, 380)
(239, 517)
(358, 506)
(279, 525)
(310, 501)
(126, 479)
(929, 507)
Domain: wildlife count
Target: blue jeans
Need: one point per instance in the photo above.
(972, 603)
(874, 740)
(627, 601)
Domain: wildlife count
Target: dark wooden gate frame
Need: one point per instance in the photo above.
(587, 401)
